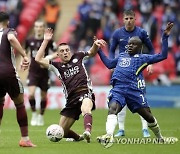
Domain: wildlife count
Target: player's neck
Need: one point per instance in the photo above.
(39, 37)
(129, 29)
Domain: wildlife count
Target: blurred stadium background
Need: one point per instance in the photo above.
(79, 20)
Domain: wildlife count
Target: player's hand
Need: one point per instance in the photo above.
(48, 34)
(168, 28)
(150, 69)
(100, 43)
(25, 63)
(94, 38)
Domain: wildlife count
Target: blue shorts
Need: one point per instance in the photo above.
(134, 99)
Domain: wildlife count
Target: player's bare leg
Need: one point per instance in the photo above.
(66, 123)
(32, 102)
(86, 112)
(40, 117)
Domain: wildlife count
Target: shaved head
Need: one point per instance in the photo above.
(136, 39)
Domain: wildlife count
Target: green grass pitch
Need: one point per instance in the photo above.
(169, 121)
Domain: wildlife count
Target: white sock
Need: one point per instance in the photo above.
(111, 124)
(144, 123)
(121, 118)
(34, 113)
(25, 138)
(155, 128)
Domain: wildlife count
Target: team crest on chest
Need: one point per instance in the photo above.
(125, 62)
(75, 60)
(32, 43)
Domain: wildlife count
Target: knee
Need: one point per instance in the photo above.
(85, 110)
(19, 99)
(43, 96)
(114, 108)
(31, 96)
(150, 118)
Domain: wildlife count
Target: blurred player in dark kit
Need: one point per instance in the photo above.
(38, 76)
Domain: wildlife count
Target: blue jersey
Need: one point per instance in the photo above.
(128, 68)
(121, 36)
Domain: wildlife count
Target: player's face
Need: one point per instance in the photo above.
(133, 46)
(129, 22)
(39, 28)
(64, 53)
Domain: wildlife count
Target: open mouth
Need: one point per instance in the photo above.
(129, 50)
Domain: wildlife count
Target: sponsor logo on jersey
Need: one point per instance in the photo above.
(71, 71)
(125, 62)
(68, 65)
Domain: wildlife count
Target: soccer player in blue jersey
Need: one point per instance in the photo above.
(128, 84)
(120, 38)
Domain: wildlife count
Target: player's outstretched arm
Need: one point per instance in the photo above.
(109, 63)
(40, 54)
(96, 45)
(164, 53)
(52, 56)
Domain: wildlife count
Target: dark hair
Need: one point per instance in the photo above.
(129, 12)
(63, 43)
(4, 16)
